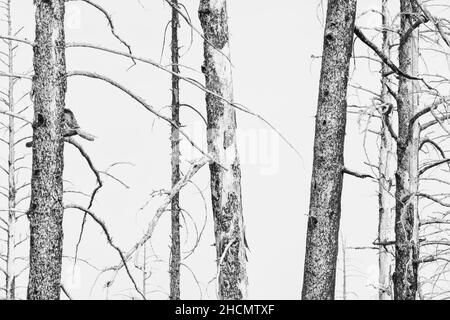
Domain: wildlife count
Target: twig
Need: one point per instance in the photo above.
(196, 166)
(111, 25)
(197, 31)
(432, 165)
(94, 192)
(357, 174)
(144, 104)
(436, 23)
(382, 56)
(15, 115)
(190, 81)
(63, 289)
(102, 224)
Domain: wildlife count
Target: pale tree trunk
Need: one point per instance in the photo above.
(406, 215)
(46, 208)
(175, 254)
(386, 182)
(226, 172)
(144, 270)
(327, 176)
(10, 258)
(344, 270)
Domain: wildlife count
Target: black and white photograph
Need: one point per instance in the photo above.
(224, 156)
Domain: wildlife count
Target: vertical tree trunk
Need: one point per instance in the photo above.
(386, 166)
(327, 176)
(225, 184)
(10, 257)
(175, 256)
(46, 208)
(406, 215)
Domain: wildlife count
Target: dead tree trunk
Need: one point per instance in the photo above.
(225, 172)
(406, 215)
(10, 257)
(175, 254)
(46, 208)
(386, 167)
(327, 176)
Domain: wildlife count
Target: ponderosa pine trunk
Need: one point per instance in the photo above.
(46, 207)
(328, 163)
(221, 139)
(386, 168)
(407, 178)
(175, 250)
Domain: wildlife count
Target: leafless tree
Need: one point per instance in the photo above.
(46, 207)
(17, 162)
(328, 164)
(386, 168)
(175, 254)
(407, 175)
(412, 232)
(225, 171)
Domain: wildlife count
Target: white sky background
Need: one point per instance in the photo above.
(274, 75)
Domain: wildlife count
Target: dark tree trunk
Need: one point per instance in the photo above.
(407, 178)
(225, 184)
(175, 254)
(328, 165)
(46, 208)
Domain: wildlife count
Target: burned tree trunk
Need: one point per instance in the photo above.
(225, 172)
(175, 251)
(328, 165)
(386, 167)
(406, 211)
(46, 208)
(11, 243)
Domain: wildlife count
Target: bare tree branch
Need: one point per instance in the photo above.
(102, 224)
(94, 192)
(190, 81)
(143, 103)
(356, 174)
(111, 24)
(382, 56)
(196, 166)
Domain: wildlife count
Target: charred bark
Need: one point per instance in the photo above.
(221, 138)
(407, 177)
(46, 207)
(327, 176)
(175, 251)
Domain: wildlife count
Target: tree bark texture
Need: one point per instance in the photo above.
(11, 256)
(407, 178)
(386, 180)
(175, 252)
(221, 139)
(46, 207)
(328, 163)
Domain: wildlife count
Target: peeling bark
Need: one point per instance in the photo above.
(407, 178)
(46, 207)
(221, 138)
(387, 166)
(328, 164)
